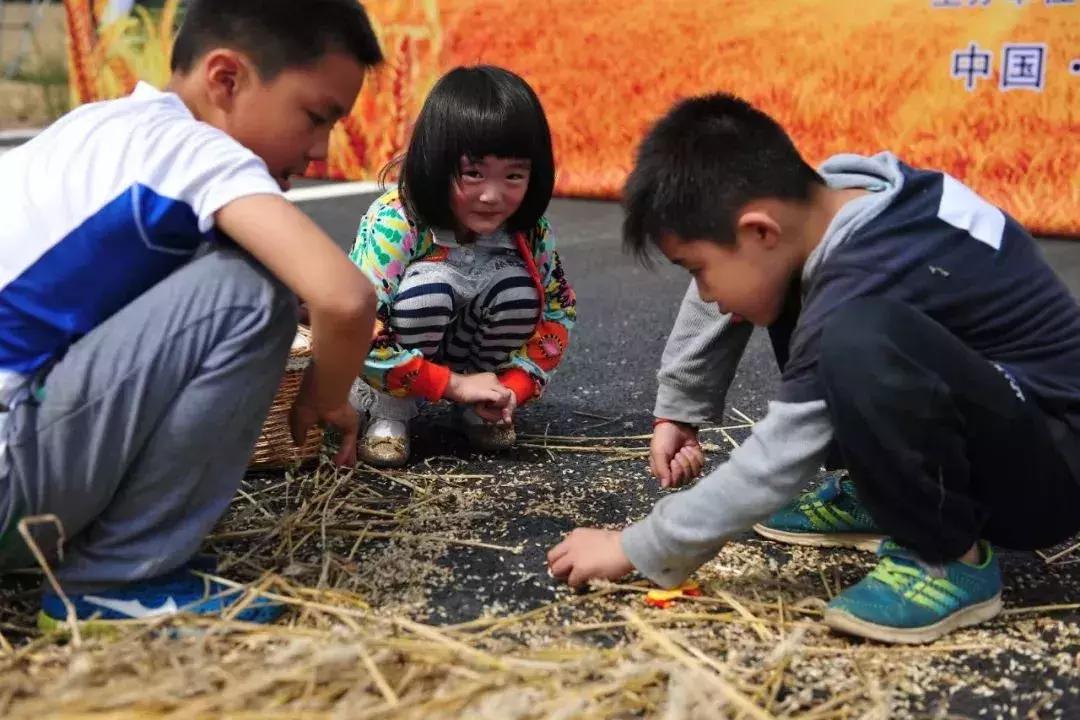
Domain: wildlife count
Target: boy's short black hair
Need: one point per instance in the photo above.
(475, 112)
(276, 34)
(701, 163)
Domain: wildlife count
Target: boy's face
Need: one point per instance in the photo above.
(748, 278)
(287, 121)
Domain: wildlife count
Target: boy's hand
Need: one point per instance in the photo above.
(479, 389)
(304, 414)
(587, 554)
(675, 456)
(494, 413)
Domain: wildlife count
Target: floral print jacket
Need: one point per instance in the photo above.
(388, 241)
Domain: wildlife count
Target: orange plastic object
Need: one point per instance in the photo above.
(665, 598)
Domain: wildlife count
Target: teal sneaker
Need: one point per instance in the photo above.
(905, 600)
(828, 516)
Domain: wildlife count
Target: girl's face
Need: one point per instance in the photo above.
(489, 192)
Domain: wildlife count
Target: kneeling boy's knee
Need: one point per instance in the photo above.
(857, 341)
(241, 281)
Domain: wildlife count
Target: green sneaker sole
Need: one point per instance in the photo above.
(845, 622)
(858, 541)
(95, 629)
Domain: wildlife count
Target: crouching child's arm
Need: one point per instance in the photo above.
(340, 300)
(699, 362)
(687, 529)
(529, 368)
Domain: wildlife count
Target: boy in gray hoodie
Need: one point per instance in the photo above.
(931, 348)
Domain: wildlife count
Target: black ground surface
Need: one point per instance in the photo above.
(606, 387)
(625, 313)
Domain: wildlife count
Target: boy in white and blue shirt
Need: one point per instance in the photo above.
(148, 282)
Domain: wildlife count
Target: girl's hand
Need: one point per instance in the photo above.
(587, 554)
(494, 414)
(675, 456)
(478, 389)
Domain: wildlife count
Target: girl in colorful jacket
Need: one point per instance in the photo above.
(473, 305)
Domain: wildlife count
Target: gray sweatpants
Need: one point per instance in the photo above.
(147, 423)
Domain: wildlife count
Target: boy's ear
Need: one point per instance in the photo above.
(759, 227)
(226, 72)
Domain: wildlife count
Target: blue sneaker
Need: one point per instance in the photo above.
(828, 516)
(905, 600)
(103, 613)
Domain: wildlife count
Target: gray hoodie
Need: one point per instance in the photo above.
(918, 237)
(786, 448)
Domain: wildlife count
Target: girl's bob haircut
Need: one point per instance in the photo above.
(475, 112)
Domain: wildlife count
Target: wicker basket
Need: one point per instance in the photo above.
(275, 447)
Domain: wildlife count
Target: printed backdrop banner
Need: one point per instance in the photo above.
(988, 90)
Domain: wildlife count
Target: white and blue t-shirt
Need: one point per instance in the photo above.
(100, 207)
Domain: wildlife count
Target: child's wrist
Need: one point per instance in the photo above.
(431, 381)
(520, 383)
(452, 391)
(313, 390)
(680, 423)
